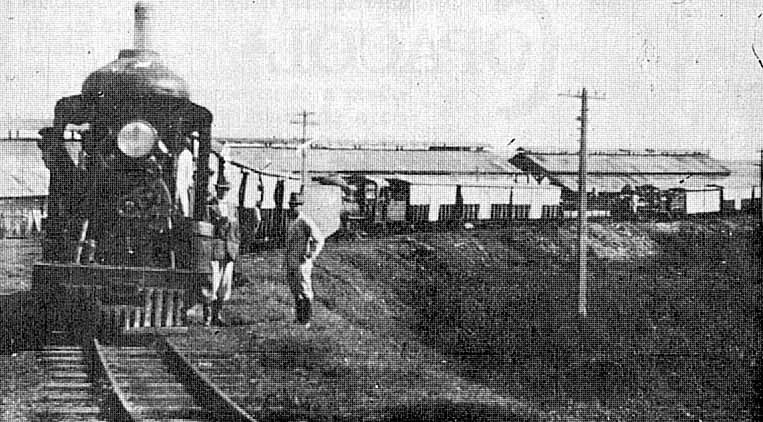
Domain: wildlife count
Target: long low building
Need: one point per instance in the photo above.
(390, 185)
(611, 171)
(462, 183)
(23, 188)
(369, 161)
(693, 176)
(742, 188)
(283, 164)
(473, 198)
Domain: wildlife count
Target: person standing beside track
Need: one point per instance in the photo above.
(304, 242)
(224, 217)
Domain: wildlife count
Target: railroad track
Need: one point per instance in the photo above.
(223, 371)
(141, 383)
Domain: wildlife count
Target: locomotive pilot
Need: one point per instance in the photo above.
(304, 242)
(224, 217)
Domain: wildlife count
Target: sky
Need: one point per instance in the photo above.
(672, 74)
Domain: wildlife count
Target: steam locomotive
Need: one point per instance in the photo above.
(127, 238)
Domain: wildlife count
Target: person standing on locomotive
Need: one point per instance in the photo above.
(184, 179)
(304, 241)
(224, 217)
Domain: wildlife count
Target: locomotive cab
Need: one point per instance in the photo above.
(127, 239)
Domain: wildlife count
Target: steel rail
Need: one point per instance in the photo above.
(103, 366)
(226, 407)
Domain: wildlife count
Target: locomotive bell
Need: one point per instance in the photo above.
(137, 72)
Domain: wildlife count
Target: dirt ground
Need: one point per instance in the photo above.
(21, 375)
(17, 256)
(482, 325)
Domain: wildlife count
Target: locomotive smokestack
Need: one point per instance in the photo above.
(137, 71)
(143, 12)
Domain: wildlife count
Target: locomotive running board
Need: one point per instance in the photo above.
(111, 276)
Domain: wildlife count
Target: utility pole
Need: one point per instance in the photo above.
(582, 203)
(304, 145)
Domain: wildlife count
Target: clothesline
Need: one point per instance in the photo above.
(277, 174)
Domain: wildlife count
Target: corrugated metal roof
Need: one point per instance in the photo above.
(321, 160)
(362, 144)
(23, 173)
(631, 164)
(615, 183)
(743, 174)
(468, 180)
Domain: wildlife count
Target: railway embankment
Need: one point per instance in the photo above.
(481, 325)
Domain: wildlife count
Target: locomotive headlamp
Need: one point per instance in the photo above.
(136, 139)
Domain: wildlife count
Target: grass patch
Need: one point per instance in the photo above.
(669, 334)
(445, 326)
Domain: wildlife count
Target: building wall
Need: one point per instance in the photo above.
(703, 201)
(21, 217)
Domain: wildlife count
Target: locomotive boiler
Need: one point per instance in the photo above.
(127, 238)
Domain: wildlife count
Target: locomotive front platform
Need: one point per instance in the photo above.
(106, 300)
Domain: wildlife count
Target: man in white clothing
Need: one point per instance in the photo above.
(184, 182)
(304, 242)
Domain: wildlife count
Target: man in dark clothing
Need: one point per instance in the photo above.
(224, 217)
